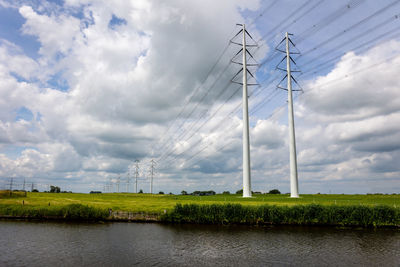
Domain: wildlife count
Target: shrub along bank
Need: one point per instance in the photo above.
(67, 212)
(312, 214)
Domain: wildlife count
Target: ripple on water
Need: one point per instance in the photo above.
(121, 244)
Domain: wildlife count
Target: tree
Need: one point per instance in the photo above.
(54, 189)
(184, 192)
(226, 193)
(161, 193)
(274, 191)
(140, 191)
(239, 191)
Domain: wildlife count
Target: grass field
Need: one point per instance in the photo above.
(158, 203)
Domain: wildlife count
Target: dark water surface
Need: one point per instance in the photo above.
(126, 244)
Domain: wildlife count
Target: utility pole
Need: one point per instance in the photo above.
(11, 185)
(294, 192)
(151, 175)
(23, 186)
(246, 136)
(110, 185)
(127, 183)
(136, 174)
(118, 181)
(32, 185)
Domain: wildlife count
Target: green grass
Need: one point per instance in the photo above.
(158, 203)
(13, 194)
(68, 212)
(310, 214)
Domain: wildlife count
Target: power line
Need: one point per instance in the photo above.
(320, 25)
(194, 123)
(395, 33)
(281, 24)
(307, 90)
(183, 133)
(352, 27)
(328, 20)
(199, 87)
(386, 60)
(264, 11)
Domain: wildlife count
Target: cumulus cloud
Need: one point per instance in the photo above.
(128, 68)
(111, 78)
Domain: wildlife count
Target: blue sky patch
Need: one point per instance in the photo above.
(57, 82)
(14, 151)
(11, 23)
(24, 114)
(115, 21)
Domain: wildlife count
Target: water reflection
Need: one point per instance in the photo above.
(121, 244)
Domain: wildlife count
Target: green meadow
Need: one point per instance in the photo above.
(158, 203)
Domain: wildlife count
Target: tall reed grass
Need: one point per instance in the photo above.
(12, 194)
(312, 214)
(68, 212)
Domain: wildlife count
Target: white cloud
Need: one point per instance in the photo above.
(127, 81)
(124, 80)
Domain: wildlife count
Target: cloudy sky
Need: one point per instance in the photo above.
(88, 87)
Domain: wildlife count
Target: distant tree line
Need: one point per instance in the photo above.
(273, 191)
(53, 189)
(211, 192)
(199, 193)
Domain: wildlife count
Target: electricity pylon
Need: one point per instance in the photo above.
(294, 191)
(136, 174)
(246, 138)
(151, 175)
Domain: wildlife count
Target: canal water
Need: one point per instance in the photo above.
(127, 244)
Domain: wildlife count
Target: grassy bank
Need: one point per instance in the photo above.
(158, 203)
(67, 212)
(12, 194)
(311, 214)
(210, 209)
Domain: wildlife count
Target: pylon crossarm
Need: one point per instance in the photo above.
(280, 50)
(298, 51)
(237, 33)
(281, 61)
(248, 52)
(293, 90)
(236, 62)
(291, 59)
(280, 43)
(236, 82)
(291, 42)
(282, 79)
(297, 84)
(235, 43)
(250, 74)
(250, 36)
(237, 53)
(237, 73)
